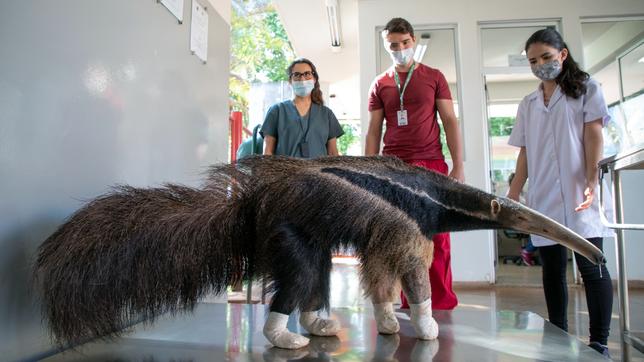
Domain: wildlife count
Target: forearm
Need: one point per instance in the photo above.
(374, 133)
(454, 141)
(269, 145)
(372, 144)
(520, 173)
(593, 146)
(332, 147)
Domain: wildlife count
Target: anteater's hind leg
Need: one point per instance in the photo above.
(319, 299)
(295, 273)
(415, 284)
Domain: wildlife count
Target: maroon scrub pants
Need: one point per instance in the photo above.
(440, 272)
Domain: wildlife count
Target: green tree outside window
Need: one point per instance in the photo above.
(260, 49)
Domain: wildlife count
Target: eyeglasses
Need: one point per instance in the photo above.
(306, 75)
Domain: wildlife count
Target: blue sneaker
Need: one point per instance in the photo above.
(600, 348)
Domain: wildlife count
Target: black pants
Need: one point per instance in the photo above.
(598, 286)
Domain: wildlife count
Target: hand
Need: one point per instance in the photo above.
(589, 199)
(457, 174)
(514, 196)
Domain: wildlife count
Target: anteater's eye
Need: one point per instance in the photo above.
(496, 207)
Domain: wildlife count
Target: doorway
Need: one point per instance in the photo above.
(507, 79)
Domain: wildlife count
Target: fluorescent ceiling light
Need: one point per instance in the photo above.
(421, 47)
(332, 14)
(641, 60)
(420, 52)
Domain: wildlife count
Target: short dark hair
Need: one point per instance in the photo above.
(398, 25)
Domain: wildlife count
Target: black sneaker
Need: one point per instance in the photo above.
(600, 348)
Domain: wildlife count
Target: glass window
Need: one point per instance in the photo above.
(614, 56)
(504, 46)
(508, 79)
(631, 72)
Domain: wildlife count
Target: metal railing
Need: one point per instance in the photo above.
(629, 160)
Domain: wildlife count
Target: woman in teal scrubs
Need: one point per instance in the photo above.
(301, 127)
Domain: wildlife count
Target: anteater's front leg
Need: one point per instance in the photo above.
(383, 308)
(416, 286)
(381, 283)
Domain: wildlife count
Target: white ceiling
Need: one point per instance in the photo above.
(308, 30)
(307, 27)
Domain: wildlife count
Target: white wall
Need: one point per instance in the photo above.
(472, 251)
(94, 93)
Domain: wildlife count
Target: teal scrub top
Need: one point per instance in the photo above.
(289, 128)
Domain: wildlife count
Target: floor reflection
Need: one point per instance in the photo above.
(232, 332)
(494, 324)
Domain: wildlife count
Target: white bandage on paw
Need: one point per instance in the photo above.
(276, 332)
(385, 318)
(319, 326)
(422, 320)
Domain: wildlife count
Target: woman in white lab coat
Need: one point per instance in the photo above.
(559, 131)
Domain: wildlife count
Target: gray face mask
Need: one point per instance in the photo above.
(547, 71)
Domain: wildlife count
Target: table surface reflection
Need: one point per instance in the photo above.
(233, 332)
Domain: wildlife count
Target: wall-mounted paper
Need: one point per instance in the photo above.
(518, 60)
(199, 31)
(175, 7)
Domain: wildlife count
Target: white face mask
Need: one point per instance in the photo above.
(402, 57)
(302, 88)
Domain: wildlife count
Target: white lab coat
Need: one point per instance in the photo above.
(553, 138)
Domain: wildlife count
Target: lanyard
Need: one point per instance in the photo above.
(308, 122)
(402, 90)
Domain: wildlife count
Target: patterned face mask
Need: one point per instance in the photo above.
(547, 71)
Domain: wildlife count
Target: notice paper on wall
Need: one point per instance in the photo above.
(175, 7)
(199, 31)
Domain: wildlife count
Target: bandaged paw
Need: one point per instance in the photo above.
(385, 318)
(319, 326)
(276, 332)
(421, 318)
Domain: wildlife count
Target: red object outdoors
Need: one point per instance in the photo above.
(236, 125)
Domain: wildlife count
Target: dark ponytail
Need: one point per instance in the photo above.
(572, 79)
(316, 94)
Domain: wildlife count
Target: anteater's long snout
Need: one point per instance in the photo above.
(513, 215)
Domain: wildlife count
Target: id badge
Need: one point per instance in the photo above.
(304, 149)
(402, 117)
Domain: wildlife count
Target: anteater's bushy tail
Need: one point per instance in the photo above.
(135, 253)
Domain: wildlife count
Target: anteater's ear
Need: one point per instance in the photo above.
(495, 207)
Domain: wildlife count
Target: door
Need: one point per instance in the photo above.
(508, 79)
